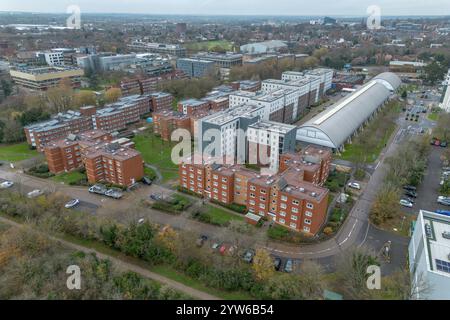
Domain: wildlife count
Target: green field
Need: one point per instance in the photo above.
(209, 45)
(157, 152)
(221, 217)
(73, 177)
(434, 116)
(16, 152)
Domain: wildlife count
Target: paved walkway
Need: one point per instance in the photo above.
(126, 266)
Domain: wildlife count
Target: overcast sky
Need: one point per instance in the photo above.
(244, 7)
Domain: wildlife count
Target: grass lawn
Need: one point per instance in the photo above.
(208, 45)
(352, 150)
(157, 152)
(70, 177)
(16, 152)
(433, 116)
(221, 217)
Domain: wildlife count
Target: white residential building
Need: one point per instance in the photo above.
(277, 137)
(429, 256)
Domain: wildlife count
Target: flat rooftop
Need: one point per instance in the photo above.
(437, 247)
(273, 126)
(228, 115)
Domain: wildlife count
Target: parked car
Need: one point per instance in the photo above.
(412, 200)
(410, 188)
(289, 266)
(446, 235)
(248, 256)
(444, 144)
(72, 203)
(443, 212)
(6, 184)
(114, 193)
(215, 246)
(200, 241)
(146, 180)
(277, 264)
(443, 200)
(35, 193)
(412, 194)
(223, 249)
(354, 185)
(141, 220)
(98, 189)
(445, 169)
(155, 197)
(406, 203)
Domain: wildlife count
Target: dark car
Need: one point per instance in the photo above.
(248, 256)
(201, 240)
(146, 180)
(409, 188)
(155, 197)
(277, 264)
(444, 144)
(412, 194)
(289, 266)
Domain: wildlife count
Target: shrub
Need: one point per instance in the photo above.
(328, 230)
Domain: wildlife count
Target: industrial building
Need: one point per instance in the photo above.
(162, 48)
(429, 257)
(340, 122)
(221, 60)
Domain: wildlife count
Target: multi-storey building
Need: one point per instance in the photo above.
(62, 124)
(167, 121)
(105, 160)
(162, 48)
(280, 105)
(118, 115)
(221, 60)
(160, 101)
(429, 256)
(223, 134)
(191, 106)
(195, 68)
(42, 78)
(286, 197)
(111, 118)
(53, 58)
(268, 140)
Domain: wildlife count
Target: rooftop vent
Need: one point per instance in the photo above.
(313, 194)
(301, 189)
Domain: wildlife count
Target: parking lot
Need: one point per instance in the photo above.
(428, 190)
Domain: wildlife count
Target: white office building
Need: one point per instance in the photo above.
(429, 256)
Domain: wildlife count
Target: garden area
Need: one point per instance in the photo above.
(157, 152)
(16, 152)
(216, 216)
(174, 205)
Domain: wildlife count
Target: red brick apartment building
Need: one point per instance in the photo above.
(105, 160)
(191, 106)
(113, 117)
(293, 198)
(166, 121)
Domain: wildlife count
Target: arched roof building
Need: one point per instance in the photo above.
(334, 126)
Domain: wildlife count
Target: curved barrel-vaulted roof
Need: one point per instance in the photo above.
(332, 127)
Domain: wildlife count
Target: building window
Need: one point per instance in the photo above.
(262, 206)
(308, 213)
(293, 225)
(283, 206)
(282, 221)
(224, 179)
(306, 229)
(294, 218)
(252, 202)
(309, 206)
(282, 213)
(252, 188)
(294, 210)
(283, 198)
(262, 198)
(307, 221)
(263, 191)
(295, 202)
(252, 195)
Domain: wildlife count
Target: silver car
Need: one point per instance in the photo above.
(35, 193)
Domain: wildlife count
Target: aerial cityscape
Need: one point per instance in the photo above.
(195, 150)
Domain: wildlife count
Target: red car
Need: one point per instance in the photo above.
(223, 249)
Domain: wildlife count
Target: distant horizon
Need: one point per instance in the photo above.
(287, 8)
(229, 14)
